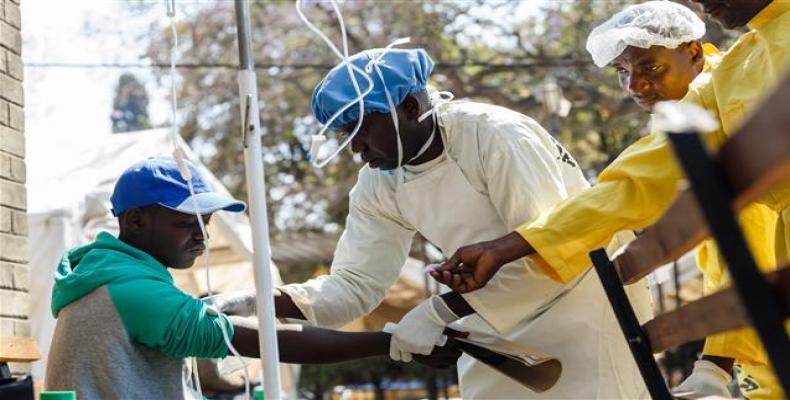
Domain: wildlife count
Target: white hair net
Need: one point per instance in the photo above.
(653, 23)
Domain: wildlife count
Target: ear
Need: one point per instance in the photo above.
(410, 108)
(133, 221)
(694, 50)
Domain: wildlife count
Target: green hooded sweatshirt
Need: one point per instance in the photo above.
(114, 301)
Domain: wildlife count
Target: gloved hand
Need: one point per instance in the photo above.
(706, 379)
(241, 303)
(420, 329)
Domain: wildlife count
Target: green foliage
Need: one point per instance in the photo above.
(500, 52)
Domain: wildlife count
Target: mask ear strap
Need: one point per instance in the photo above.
(428, 142)
(426, 115)
(393, 110)
(437, 99)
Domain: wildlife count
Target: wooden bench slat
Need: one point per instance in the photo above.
(757, 157)
(18, 349)
(716, 313)
(671, 237)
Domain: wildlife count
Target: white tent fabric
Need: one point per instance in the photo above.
(69, 182)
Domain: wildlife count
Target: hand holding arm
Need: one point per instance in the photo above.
(242, 303)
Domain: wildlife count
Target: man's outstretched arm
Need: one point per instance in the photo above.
(309, 345)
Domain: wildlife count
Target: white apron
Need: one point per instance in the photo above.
(572, 322)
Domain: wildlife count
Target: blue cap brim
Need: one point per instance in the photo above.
(207, 203)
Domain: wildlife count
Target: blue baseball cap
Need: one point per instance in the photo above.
(405, 71)
(158, 181)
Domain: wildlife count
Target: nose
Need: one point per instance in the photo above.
(197, 233)
(637, 85)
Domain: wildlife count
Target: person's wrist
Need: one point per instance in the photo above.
(285, 307)
(250, 303)
(442, 310)
(509, 248)
(455, 301)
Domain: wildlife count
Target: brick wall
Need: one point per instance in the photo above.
(14, 272)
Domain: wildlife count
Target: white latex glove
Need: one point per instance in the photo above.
(420, 329)
(241, 303)
(706, 379)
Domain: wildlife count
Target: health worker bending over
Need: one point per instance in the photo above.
(459, 172)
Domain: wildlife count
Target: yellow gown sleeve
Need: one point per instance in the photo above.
(630, 194)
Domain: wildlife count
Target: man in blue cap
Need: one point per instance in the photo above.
(124, 329)
(457, 172)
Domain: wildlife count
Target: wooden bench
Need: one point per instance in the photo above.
(16, 349)
(748, 165)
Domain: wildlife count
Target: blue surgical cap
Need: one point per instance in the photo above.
(405, 72)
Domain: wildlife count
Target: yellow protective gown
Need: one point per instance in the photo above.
(636, 188)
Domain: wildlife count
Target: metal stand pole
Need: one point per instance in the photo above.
(256, 187)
